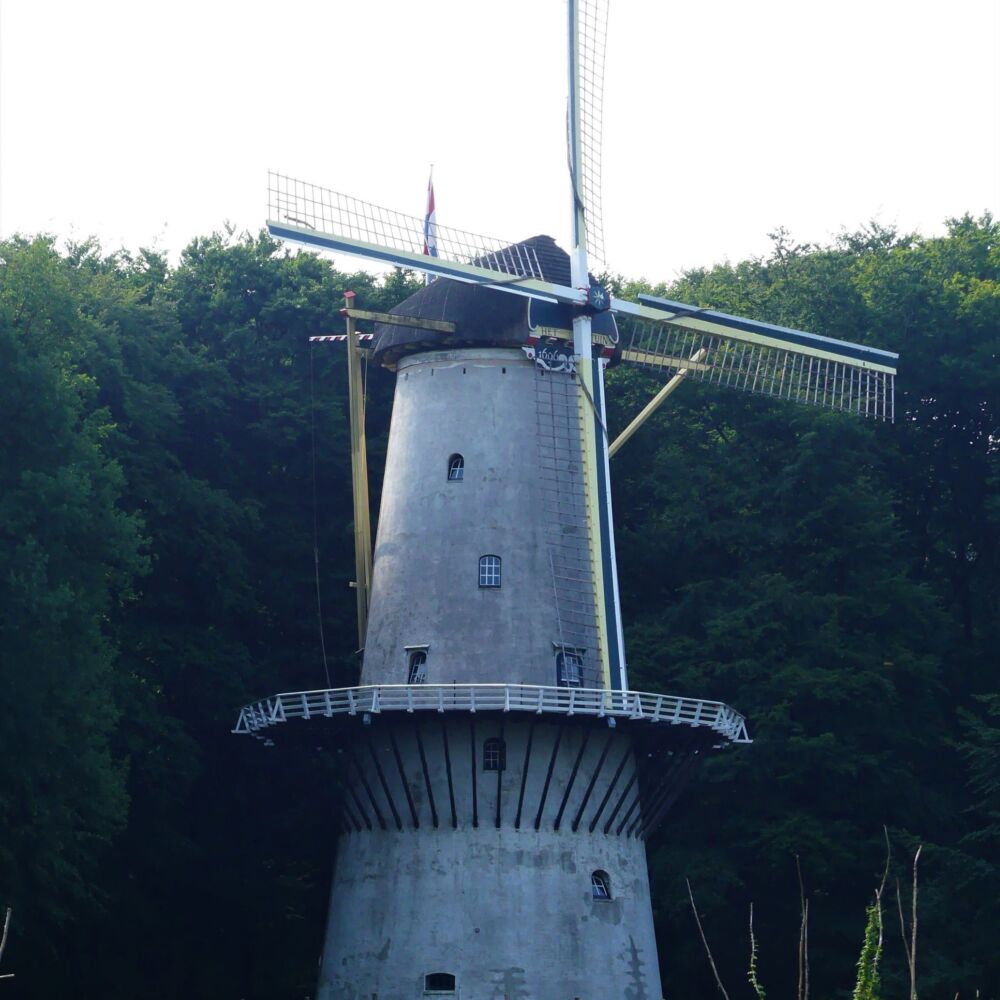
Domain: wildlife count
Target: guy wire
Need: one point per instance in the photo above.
(312, 436)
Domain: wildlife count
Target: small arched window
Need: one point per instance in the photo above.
(489, 571)
(494, 755)
(439, 982)
(417, 673)
(456, 469)
(569, 667)
(600, 885)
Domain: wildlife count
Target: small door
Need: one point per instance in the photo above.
(418, 668)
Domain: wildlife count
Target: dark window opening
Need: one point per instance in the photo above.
(600, 885)
(494, 755)
(489, 571)
(456, 469)
(439, 982)
(569, 668)
(418, 668)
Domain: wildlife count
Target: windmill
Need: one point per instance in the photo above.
(499, 778)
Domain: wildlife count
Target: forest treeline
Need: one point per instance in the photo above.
(169, 443)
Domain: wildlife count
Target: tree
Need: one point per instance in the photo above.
(838, 582)
(783, 571)
(70, 557)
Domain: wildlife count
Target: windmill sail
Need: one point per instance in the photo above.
(756, 357)
(592, 30)
(657, 334)
(318, 217)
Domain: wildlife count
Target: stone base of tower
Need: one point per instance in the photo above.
(471, 848)
(511, 914)
(494, 834)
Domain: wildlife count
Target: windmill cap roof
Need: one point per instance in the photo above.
(483, 317)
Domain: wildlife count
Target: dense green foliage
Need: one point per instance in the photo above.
(868, 984)
(836, 581)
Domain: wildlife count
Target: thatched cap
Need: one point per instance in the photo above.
(483, 317)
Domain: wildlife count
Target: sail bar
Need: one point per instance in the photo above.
(591, 33)
(318, 217)
(578, 229)
(764, 366)
(768, 334)
(609, 562)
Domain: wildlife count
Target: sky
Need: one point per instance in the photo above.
(148, 124)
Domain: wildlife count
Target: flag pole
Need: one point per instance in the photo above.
(430, 224)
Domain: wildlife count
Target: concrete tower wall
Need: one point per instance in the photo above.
(450, 866)
(541, 785)
(482, 404)
(505, 905)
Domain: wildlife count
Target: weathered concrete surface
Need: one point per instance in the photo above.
(480, 404)
(591, 764)
(509, 913)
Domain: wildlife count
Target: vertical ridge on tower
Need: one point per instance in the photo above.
(567, 523)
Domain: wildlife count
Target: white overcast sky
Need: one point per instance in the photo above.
(147, 124)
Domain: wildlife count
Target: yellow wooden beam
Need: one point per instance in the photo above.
(359, 478)
(657, 401)
(641, 357)
(380, 317)
(589, 457)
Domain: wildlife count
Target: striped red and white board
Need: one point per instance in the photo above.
(323, 338)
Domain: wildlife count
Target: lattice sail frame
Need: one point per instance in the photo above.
(307, 212)
(592, 32)
(657, 334)
(780, 372)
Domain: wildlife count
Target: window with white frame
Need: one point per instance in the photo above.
(417, 673)
(600, 885)
(456, 469)
(569, 667)
(489, 571)
(494, 755)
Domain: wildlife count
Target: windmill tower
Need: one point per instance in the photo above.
(499, 777)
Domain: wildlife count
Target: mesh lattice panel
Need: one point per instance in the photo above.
(593, 30)
(780, 372)
(329, 213)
